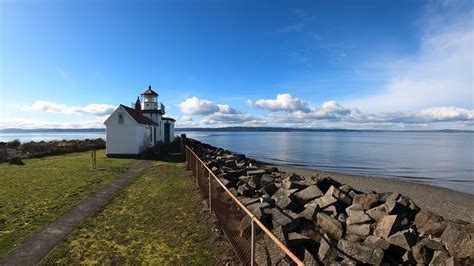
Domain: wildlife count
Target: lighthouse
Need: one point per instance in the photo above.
(132, 130)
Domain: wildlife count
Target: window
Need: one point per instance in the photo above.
(120, 119)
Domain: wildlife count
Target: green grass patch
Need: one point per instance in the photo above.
(35, 194)
(154, 220)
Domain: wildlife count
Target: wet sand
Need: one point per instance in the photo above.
(448, 203)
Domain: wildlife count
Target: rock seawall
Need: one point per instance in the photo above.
(326, 222)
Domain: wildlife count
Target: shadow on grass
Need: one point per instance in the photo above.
(167, 153)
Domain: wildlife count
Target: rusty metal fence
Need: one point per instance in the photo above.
(253, 243)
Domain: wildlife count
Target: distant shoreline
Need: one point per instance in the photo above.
(234, 129)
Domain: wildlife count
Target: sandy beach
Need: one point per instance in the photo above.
(448, 203)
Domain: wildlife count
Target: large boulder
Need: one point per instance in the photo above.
(359, 252)
(458, 237)
(308, 194)
(329, 225)
(386, 226)
(429, 223)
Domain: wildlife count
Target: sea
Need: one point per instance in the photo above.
(435, 158)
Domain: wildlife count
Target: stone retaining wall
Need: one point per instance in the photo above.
(325, 222)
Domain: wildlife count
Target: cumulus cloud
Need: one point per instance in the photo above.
(334, 113)
(441, 74)
(212, 114)
(283, 102)
(196, 106)
(286, 110)
(90, 109)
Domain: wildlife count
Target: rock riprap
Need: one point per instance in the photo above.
(324, 222)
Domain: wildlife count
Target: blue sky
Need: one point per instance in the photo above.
(353, 64)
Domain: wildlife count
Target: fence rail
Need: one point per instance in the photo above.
(245, 231)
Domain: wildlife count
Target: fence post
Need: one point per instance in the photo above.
(252, 247)
(210, 194)
(197, 169)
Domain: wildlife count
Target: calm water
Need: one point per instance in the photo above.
(440, 159)
(41, 136)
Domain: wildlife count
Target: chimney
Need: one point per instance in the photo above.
(138, 106)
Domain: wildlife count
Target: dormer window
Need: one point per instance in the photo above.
(120, 118)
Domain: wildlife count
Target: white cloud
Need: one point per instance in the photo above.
(90, 109)
(332, 112)
(28, 123)
(212, 114)
(283, 102)
(440, 75)
(196, 106)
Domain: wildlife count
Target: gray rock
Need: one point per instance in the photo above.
(345, 188)
(310, 211)
(342, 217)
(358, 229)
(285, 203)
(377, 213)
(358, 218)
(249, 201)
(331, 211)
(230, 163)
(245, 190)
(354, 208)
(294, 177)
(339, 195)
(327, 251)
(367, 201)
(325, 201)
(458, 238)
(270, 189)
(360, 253)
(386, 226)
(282, 219)
(309, 259)
(266, 180)
(429, 223)
(352, 237)
(308, 194)
(244, 178)
(407, 258)
(259, 172)
(254, 182)
(376, 242)
(423, 250)
(288, 184)
(270, 170)
(329, 225)
(439, 257)
(404, 239)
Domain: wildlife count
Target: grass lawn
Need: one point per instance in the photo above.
(35, 194)
(154, 220)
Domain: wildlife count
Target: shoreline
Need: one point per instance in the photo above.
(451, 204)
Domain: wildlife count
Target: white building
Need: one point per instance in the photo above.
(130, 131)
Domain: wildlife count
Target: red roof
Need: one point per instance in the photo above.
(149, 91)
(138, 116)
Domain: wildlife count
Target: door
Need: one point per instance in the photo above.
(167, 132)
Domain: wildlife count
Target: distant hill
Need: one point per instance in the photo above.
(234, 129)
(286, 129)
